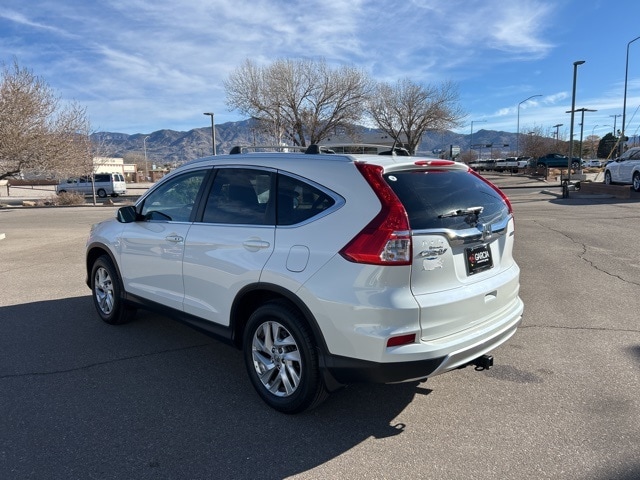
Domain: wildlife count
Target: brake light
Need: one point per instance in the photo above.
(435, 163)
(500, 192)
(386, 240)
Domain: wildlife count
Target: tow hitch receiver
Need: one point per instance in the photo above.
(484, 362)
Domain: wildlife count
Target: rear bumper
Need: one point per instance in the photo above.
(351, 370)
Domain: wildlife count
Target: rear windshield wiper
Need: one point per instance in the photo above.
(463, 211)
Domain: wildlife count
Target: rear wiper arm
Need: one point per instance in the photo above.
(462, 211)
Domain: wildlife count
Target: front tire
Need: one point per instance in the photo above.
(281, 359)
(607, 177)
(636, 181)
(108, 293)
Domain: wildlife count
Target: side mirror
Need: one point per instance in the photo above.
(127, 214)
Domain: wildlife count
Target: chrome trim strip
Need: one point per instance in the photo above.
(479, 233)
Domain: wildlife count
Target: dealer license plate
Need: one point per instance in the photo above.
(478, 259)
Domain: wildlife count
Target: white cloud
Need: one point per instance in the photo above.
(166, 58)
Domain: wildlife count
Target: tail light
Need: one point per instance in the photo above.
(386, 240)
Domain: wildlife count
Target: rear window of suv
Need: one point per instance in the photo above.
(428, 196)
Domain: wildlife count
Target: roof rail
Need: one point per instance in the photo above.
(364, 149)
(238, 149)
(314, 149)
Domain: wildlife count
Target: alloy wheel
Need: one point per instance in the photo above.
(103, 290)
(276, 359)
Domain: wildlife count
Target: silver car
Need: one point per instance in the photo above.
(324, 269)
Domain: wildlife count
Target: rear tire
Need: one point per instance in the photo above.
(607, 177)
(636, 181)
(282, 360)
(108, 293)
(102, 193)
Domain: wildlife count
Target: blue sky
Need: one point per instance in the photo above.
(145, 65)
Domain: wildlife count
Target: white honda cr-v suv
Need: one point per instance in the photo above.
(325, 269)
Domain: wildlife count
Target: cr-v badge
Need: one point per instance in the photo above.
(431, 257)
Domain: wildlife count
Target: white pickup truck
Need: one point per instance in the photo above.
(512, 164)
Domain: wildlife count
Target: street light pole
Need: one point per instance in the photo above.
(518, 128)
(594, 154)
(146, 164)
(213, 133)
(615, 119)
(624, 102)
(582, 110)
(471, 137)
(557, 127)
(573, 110)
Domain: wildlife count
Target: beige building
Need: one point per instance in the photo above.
(115, 165)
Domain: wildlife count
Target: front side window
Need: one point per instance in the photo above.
(174, 199)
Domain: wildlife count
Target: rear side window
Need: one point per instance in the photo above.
(102, 178)
(431, 196)
(299, 201)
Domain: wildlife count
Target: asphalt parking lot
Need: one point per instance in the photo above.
(155, 399)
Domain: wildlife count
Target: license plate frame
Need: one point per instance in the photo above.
(478, 259)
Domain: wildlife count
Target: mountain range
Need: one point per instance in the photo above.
(170, 147)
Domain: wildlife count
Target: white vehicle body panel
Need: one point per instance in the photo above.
(200, 268)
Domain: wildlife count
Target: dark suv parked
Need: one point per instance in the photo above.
(555, 160)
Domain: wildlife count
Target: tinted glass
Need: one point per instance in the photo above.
(174, 199)
(431, 196)
(299, 201)
(239, 196)
(634, 155)
(102, 178)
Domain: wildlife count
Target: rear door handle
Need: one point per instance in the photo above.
(174, 238)
(253, 245)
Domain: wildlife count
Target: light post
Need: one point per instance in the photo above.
(557, 127)
(471, 137)
(518, 127)
(213, 133)
(594, 154)
(624, 102)
(615, 118)
(565, 190)
(146, 164)
(582, 110)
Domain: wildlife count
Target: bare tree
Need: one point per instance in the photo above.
(302, 101)
(536, 142)
(406, 110)
(38, 136)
